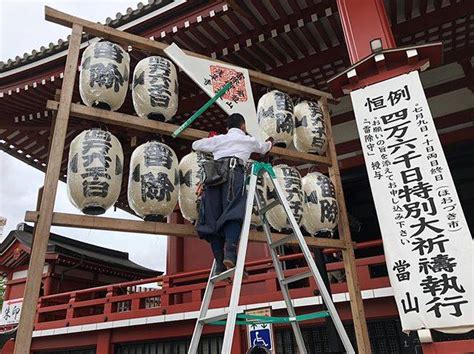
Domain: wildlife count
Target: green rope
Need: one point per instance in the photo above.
(254, 319)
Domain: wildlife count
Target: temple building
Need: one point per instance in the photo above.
(96, 300)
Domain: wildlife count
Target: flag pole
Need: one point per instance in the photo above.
(201, 110)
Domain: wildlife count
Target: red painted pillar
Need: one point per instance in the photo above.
(48, 281)
(239, 345)
(364, 21)
(372, 48)
(175, 249)
(103, 345)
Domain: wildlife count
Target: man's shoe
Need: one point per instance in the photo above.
(229, 263)
(220, 267)
(230, 255)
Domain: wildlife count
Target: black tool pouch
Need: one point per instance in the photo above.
(216, 172)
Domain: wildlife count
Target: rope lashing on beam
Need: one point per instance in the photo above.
(249, 320)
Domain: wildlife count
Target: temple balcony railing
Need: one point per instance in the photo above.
(183, 292)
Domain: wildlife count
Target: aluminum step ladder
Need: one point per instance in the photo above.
(237, 273)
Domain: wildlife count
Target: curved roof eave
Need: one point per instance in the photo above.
(55, 51)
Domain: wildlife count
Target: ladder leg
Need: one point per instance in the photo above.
(314, 270)
(284, 287)
(206, 300)
(239, 269)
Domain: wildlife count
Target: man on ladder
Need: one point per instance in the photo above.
(224, 197)
(227, 210)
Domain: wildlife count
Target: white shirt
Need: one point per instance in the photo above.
(234, 143)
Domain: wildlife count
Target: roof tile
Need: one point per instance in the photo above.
(120, 19)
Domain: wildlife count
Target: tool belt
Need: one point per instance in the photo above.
(218, 171)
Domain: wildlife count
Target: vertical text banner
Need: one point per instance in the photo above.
(427, 242)
(211, 76)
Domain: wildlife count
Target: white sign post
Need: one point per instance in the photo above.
(11, 311)
(260, 335)
(428, 246)
(212, 76)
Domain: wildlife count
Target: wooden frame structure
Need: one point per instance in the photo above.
(45, 217)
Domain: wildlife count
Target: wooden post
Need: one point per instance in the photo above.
(42, 230)
(39, 197)
(357, 306)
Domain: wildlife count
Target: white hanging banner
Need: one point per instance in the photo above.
(428, 245)
(212, 76)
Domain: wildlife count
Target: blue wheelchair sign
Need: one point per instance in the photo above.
(261, 337)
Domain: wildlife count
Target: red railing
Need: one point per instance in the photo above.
(183, 292)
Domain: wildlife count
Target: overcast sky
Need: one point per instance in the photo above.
(22, 29)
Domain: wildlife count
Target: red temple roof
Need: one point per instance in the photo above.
(68, 250)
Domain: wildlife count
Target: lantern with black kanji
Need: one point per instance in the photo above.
(321, 211)
(153, 181)
(155, 89)
(275, 116)
(95, 170)
(310, 130)
(190, 174)
(290, 181)
(103, 80)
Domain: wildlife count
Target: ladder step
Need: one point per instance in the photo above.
(282, 241)
(297, 277)
(224, 275)
(267, 207)
(215, 318)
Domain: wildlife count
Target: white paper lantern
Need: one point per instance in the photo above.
(310, 130)
(190, 173)
(290, 181)
(275, 116)
(103, 80)
(95, 170)
(155, 89)
(153, 181)
(321, 211)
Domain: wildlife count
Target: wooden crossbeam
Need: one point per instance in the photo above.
(155, 47)
(147, 125)
(161, 229)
